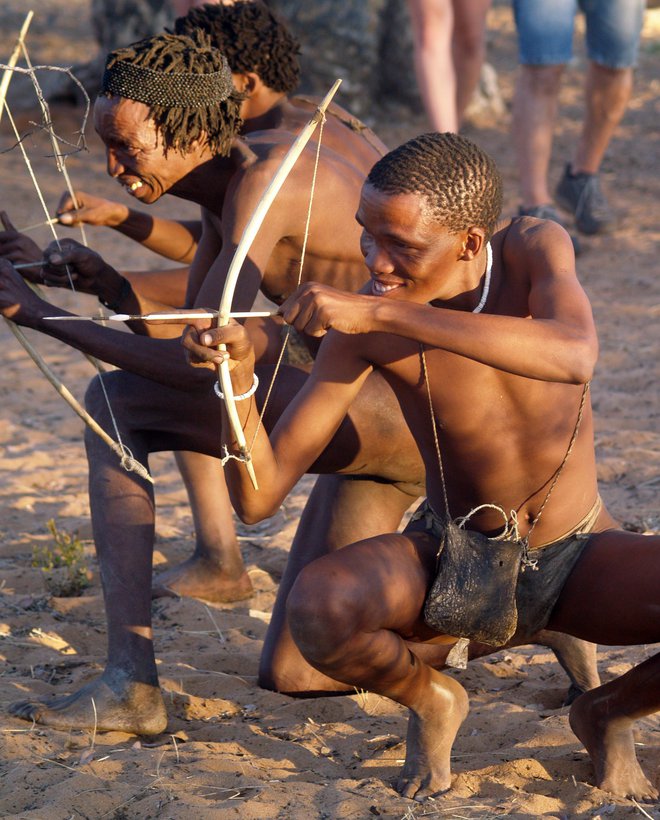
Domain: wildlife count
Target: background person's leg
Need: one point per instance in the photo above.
(468, 49)
(432, 26)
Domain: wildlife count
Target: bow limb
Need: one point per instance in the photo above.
(73, 403)
(6, 77)
(249, 233)
(126, 458)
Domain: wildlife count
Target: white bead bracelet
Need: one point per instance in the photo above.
(246, 395)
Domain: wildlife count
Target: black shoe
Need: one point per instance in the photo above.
(550, 212)
(581, 195)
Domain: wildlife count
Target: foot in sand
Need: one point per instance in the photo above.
(431, 733)
(200, 578)
(610, 743)
(109, 703)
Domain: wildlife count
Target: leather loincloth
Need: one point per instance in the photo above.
(537, 590)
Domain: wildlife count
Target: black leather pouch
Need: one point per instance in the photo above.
(474, 592)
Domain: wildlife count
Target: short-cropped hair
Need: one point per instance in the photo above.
(459, 181)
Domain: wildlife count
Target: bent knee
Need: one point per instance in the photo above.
(322, 614)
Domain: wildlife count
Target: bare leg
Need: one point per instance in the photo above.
(126, 697)
(152, 418)
(576, 657)
(534, 112)
(468, 49)
(608, 92)
(350, 612)
(612, 597)
(432, 26)
(215, 571)
(603, 720)
(338, 510)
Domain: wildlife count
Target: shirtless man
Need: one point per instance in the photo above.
(248, 33)
(152, 155)
(488, 341)
(162, 404)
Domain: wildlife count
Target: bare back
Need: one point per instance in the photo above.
(332, 253)
(342, 132)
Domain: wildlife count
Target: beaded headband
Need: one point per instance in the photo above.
(147, 85)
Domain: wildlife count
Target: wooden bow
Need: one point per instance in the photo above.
(126, 458)
(249, 233)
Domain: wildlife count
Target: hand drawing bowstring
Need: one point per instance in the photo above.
(247, 237)
(126, 457)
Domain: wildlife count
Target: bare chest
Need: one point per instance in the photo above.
(499, 437)
(283, 274)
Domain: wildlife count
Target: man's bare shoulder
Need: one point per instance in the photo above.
(263, 151)
(527, 244)
(347, 127)
(530, 232)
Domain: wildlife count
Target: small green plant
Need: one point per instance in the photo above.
(62, 563)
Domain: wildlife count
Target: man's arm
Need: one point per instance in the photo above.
(70, 263)
(553, 338)
(119, 291)
(175, 240)
(162, 360)
(304, 429)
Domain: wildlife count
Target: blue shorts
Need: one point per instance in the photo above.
(545, 30)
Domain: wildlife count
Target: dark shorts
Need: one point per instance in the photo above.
(537, 590)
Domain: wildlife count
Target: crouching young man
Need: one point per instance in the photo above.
(487, 338)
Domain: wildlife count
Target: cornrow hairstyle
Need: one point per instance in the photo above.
(460, 182)
(252, 38)
(171, 59)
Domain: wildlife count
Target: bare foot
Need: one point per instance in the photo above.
(611, 746)
(109, 703)
(200, 578)
(431, 733)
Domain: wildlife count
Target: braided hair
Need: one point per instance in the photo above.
(460, 182)
(252, 38)
(172, 60)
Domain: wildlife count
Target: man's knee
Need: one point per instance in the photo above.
(543, 80)
(322, 613)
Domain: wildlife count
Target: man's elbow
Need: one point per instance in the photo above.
(583, 361)
(252, 511)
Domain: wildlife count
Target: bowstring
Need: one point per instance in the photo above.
(303, 250)
(126, 458)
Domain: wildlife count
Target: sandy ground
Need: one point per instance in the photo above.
(232, 749)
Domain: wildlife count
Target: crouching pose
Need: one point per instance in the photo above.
(487, 339)
(371, 473)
